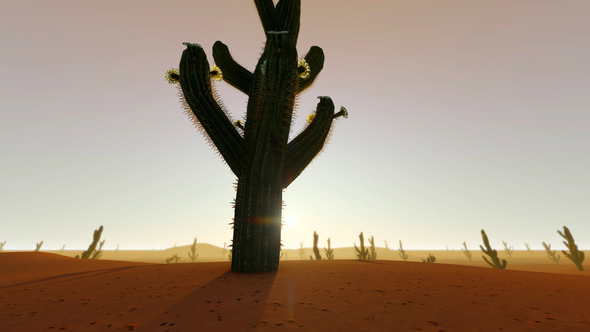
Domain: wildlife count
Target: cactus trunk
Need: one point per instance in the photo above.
(261, 156)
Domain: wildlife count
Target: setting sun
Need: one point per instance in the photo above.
(291, 220)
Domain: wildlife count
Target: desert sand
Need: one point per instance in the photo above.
(47, 291)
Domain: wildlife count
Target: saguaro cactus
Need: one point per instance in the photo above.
(576, 256)
(259, 154)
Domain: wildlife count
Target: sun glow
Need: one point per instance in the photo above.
(291, 220)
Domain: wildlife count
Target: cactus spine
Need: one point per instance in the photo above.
(329, 251)
(551, 254)
(492, 253)
(259, 154)
(574, 255)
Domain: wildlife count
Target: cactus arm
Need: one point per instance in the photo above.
(576, 256)
(268, 14)
(233, 73)
(307, 145)
(316, 251)
(315, 59)
(196, 88)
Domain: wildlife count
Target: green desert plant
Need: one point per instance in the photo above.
(2, 245)
(176, 258)
(508, 250)
(430, 258)
(362, 253)
(194, 254)
(551, 254)
(258, 152)
(98, 253)
(466, 252)
(329, 251)
(316, 251)
(301, 251)
(373, 254)
(491, 252)
(576, 256)
(39, 246)
(92, 246)
(402, 252)
(224, 249)
(528, 248)
(386, 246)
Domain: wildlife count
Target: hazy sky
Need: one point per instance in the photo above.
(463, 115)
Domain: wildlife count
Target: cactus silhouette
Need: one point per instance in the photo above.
(550, 253)
(491, 252)
(466, 251)
(259, 152)
(39, 246)
(329, 251)
(194, 254)
(576, 256)
(402, 252)
(316, 251)
(362, 253)
(429, 259)
(96, 237)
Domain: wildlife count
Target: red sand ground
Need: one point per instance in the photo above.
(50, 292)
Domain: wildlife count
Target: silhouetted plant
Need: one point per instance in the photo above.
(118, 248)
(316, 251)
(39, 246)
(492, 253)
(194, 254)
(96, 237)
(61, 251)
(577, 257)
(528, 248)
(301, 251)
(98, 253)
(224, 249)
(551, 254)
(258, 152)
(2, 245)
(386, 247)
(361, 253)
(329, 251)
(508, 250)
(373, 254)
(430, 259)
(229, 255)
(402, 252)
(466, 252)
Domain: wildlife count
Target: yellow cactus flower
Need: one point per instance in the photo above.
(216, 73)
(172, 76)
(345, 112)
(303, 69)
(310, 118)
